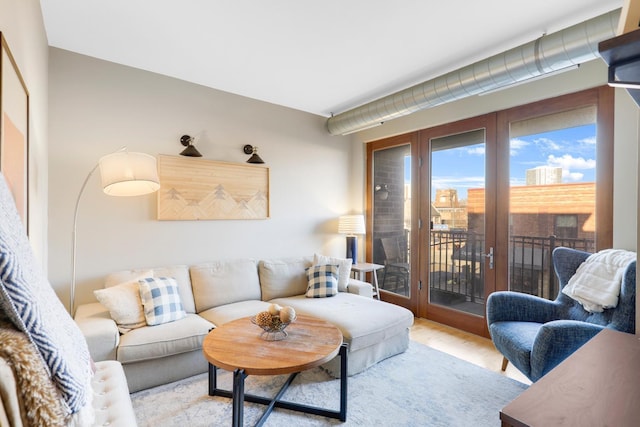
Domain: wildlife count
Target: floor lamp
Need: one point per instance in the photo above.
(123, 174)
(351, 225)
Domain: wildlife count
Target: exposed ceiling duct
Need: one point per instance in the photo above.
(550, 53)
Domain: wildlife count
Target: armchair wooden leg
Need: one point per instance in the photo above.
(505, 362)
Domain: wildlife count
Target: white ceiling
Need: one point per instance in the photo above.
(322, 57)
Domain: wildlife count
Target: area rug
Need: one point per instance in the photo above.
(420, 387)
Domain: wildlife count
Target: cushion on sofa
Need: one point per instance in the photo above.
(363, 321)
(283, 277)
(228, 312)
(224, 282)
(343, 273)
(153, 342)
(322, 281)
(161, 300)
(124, 303)
(178, 272)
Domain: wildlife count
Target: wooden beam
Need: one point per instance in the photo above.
(630, 17)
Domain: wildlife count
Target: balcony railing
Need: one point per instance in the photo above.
(457, 265)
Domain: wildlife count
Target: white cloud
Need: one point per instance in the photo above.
(442, 182)
(572, 176)
(568, 162)
(591, 140)
(478, 151)
(515, 145)
(547, 143)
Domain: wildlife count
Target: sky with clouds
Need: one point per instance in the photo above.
(572, 149)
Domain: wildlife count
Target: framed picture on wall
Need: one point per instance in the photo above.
(14, 130)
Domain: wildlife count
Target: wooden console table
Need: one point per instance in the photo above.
(598, 385)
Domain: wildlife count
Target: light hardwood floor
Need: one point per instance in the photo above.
(463, 345)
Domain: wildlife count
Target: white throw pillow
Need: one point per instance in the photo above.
(124, 305)
(343, 272)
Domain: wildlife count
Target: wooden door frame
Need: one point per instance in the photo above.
(410, 138)
(438, 313)
(602, 97)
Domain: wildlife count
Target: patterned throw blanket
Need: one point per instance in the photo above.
(41, 400)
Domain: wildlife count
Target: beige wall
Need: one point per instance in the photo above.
(21, 24)
(96, 107)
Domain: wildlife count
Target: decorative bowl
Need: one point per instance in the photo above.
(274, 331)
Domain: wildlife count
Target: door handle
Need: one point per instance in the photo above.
(490, 256)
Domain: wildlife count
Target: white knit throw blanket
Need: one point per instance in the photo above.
(596, 283)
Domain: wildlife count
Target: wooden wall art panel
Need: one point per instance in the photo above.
(200, 189)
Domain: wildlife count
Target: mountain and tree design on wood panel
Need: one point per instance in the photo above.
(200, 189)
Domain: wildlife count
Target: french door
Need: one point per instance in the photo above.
(458, 211)
(458, 195)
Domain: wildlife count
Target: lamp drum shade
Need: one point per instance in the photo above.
(351, 224)
(129, 174)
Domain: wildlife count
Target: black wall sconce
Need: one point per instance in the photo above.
(382, 191)
(191, 150)
(250, 149)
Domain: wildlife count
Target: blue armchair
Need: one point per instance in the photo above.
(536, 334)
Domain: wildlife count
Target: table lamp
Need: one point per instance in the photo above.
(351, 225)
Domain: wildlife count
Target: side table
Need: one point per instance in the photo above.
(365, 267)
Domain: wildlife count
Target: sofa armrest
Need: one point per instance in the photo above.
(99, 329)
(359, 287)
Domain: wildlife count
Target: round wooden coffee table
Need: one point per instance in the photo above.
(237, 346)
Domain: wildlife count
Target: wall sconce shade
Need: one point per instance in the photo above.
(129, 174)
(250, 149)
(351, 225)
(191, 150)
(382, 191)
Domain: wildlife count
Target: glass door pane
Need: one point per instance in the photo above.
(552, 197)
(456, 271)
(392, 218)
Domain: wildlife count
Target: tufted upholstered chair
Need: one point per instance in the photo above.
(536, 334)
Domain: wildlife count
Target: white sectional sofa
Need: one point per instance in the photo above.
(220, 291)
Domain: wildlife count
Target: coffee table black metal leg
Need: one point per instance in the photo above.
(343, 382)
(238, 397)
(213, 380)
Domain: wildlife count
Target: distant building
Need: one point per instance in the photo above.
(452, 211)
(544, 175)
(562, 210)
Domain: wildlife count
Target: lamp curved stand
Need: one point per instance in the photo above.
(72, 291)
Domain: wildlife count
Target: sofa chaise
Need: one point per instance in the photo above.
(220, 291)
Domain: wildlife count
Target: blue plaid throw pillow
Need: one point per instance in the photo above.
(160, 300)
(323, 281)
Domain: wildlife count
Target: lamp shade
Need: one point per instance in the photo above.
(129, 174)
(351, 224)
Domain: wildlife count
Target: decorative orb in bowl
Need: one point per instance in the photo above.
(273, 332)
(274, 321)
